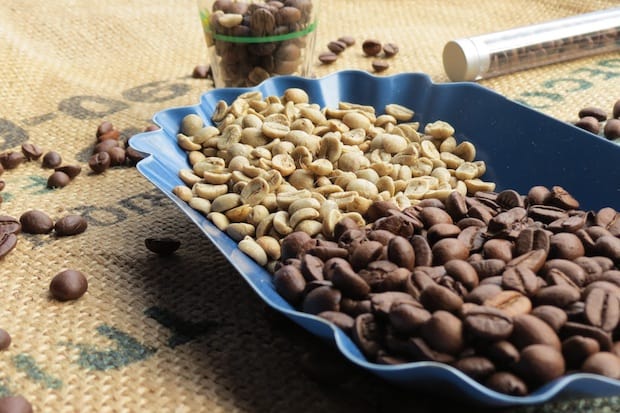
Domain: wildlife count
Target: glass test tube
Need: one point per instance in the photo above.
(522, 48)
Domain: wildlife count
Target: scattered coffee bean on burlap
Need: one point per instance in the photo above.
(51, 159)
(36, 222)
(371, 47)
(390, 49)
(10, 225)
(68, 285)
(201, 72)
(72, 224)
(380, 65)
(15, 404)
(612, 129)
(31, 151)
(11, 159)
(99, 162)
(8, 241)
(328, 57)
(5, 339)
(348, 40)
(615, 112)
(336, 46)
(162, 246)
(58, 179)
(71, 170)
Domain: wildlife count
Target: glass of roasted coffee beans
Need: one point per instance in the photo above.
(249, 41)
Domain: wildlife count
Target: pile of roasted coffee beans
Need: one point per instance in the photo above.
(597, 121)
(110, 149)
(370, 48)
(513, 290)
(247, 64)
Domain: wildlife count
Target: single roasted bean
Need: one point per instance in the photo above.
(408, 317)
(602, 308)
(443, 331)
(36, 222)
(557, 295)
(435, 297)
(512, 303)
(554, 316)
(487, 323)
(576, 349)
(540, 363)
(507, 383)
(69, 225)
(521, 279)
(603, 363)
(529, 329)
(367, 334)
(476, 367)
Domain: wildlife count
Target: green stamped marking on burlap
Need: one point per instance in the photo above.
(27, 364)
(183, 331)
(126, 350)
(4, 389)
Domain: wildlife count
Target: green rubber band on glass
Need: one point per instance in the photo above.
(264, 39)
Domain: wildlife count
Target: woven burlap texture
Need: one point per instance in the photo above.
(184, 333)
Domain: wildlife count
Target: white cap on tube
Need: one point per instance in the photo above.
(463, 60)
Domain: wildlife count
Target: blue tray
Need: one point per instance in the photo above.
(520, 146)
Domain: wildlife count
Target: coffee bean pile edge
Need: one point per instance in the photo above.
(514, 291)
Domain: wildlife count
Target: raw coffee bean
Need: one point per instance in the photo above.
(371, 47)
(597, 113)
(5, 339)
(7, 243)
(328, 57)
(11, 160)
(390, 49)
(58, 180)
(15, 404)
(68, 285)
(9, 225)
(71, 170)
(201, 72)
(99, 162)
(31, 151)
(162, 246)
(36, 222)
(612, 129)
(70, 225)
(380, 65)
(51, 159)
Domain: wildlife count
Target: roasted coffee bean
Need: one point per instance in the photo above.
(401, 252)
(99, 162)
(58, 179)
(561, 198)
(5, 339)
(533, 260)
(603, 337)
(612, 129)
(602, 308)
(476, 367)
(380, 65)
(592, 268)
(408, 317)
(294, 244)
(103, 128)
(540, 363)
(201, 72)
(537, 195)
(328, 57)
(488, 267)
(71, 224)
(532, 239)
(507, 383)
(609, 246)
(71, 170)
(603, 363)
(15, 404)
(289, 283)
(343, 321)
(314, 269)
(557, 295)
(31, 151)
(381, 303)
(443, 331)
(347, 280)
(463, 272)
(36, 222)
(422, 251)
(106, 145)
(546, 213)
(503, 353)
(390, 49)
(51, 159)
(336, 46)
(11, 159)
(487, 323)
(68, 285)
(364, 253)
(371, 47)
(133, 156)
(565, 246)
(163, 245)
(615, 112)
(433, 215)
(8, 241)
(456, 206)
(348, 40)
(590, 124)
(321, 299)
(568, 269)
(521, 279)
(510, 302)
(436, 297)
(367, 334)
(118, 156)
(529, 329)
(576, 349)
(595, 112)
(9, 224)
(498, 248)
(482, 293)
(355, 307)
(419, 350)
(448, 249)
(554, 316)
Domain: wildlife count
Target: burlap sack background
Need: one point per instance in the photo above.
(184, 333)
